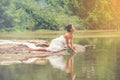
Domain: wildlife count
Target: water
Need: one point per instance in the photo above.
(101, 63)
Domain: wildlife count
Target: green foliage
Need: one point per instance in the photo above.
(5, 21)
(55, 14)
(36, 14)
(97, 14)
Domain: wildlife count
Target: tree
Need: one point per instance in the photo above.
(55, 14)
(97, 14)
(5, 21)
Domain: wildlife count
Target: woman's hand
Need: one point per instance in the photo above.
(74, 51)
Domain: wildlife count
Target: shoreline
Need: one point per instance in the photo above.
(16, 50)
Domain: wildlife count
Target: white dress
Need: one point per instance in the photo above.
(57, 44)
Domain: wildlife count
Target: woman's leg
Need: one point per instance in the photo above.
(38, 49)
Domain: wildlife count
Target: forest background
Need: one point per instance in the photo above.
(32, 15)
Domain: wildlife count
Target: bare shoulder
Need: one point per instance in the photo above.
(67, 35)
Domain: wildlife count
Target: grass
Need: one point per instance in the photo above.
(47, 34)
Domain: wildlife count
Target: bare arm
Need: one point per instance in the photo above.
(69, 43)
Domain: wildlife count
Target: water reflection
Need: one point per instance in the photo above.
(101, 63)
(70, 67)
(58, 62)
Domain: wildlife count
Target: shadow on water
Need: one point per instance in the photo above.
(101, 63)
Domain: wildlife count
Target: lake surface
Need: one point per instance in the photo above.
(101, 63)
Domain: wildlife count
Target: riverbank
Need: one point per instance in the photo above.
(48, 35)
(19, 49)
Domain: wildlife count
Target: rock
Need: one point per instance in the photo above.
(17, 49)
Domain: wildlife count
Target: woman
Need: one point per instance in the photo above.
(59, 43)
